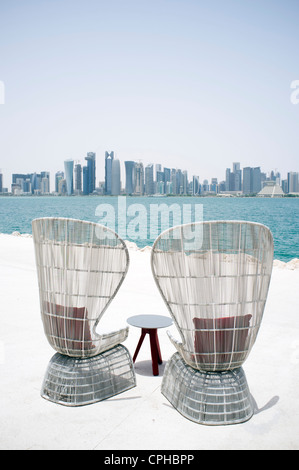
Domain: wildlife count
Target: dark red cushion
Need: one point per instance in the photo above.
(224, 336)
(68, 326)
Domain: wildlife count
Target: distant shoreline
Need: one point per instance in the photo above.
(222, 195)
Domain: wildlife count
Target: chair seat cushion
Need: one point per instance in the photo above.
(221, 340)
(67, 326)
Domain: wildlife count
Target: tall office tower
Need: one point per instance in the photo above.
(130, 177)
(85, 181)
(158, 168)
(69, 170)
(214, 185)
(149, 179)
(166, 175)
(293, 182)
(45, 188)
(196, 186)
(160, 182)
(115, 177)
(237, 179)
(227, 179)
(185, 182)
(139, 179)
(108, 172)
(173, 180)
(284, 186)
(91, 165)
(1, 182)
(62, 186)
(78, 178)
(278, 178)
(45, 174)
(35, 182)
(59, 175)
(247, 180)
(256, 180)
(179, 182)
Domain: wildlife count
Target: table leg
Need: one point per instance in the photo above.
(158, 348)
(143, 333)
(155, 350)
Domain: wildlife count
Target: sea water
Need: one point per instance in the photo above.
(133, 216)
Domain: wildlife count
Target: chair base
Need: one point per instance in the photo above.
(212, 398)
(72, 381)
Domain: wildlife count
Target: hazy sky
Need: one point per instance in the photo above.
(190, 84)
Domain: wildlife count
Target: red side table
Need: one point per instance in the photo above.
(149, 324)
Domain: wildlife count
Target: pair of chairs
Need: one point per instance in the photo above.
(214, 278)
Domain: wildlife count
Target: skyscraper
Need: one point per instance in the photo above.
(85, 181)
(167, 175)
(115, 177)
(78, 178)
(149, 179)
(256, 180)
(69, 170)
(1, 182)
(108, 172)
(247, 180)
(91, 176)
(252, 180)
(237, 176)
(139, 179)
(196, 186)
(130, 177)
(293, 182)
(58, 176)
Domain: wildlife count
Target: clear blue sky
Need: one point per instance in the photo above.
(190, 84)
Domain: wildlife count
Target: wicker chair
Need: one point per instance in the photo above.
(214, 278)
(80, 266)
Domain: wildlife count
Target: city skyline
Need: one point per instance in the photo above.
(184, 82)
(147, 179)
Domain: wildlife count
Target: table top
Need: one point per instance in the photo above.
(149, 321)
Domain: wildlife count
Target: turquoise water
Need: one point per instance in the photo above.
(133, 218)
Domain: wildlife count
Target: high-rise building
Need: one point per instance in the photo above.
(109, 156)
(160, 182)
(149, 179)
(233, 179)
(195, 186)
(256, 180)
(115, 178)
(252, 180)
(69, 170)
(179, 182)
(293, 182)
(59, 175)
(45, 185)
(91, 176)
(247, 180)
(173, 180)
(85, 181)
(185, 182)
(139, 179)
(130, 177)
(1, 182)
(35, 183)
(167, 175)
(78, 178)
(237, 176)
